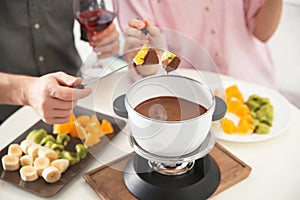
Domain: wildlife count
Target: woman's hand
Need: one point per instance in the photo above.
(53, 97)
(135, 38)
(105, 43)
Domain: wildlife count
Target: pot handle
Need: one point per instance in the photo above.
(120, 109)
(220, 109)
(119, 106)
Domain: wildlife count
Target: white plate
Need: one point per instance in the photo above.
(282, 112)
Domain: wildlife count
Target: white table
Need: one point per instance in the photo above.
(275, 163)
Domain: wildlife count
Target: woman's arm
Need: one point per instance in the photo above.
(267, 19)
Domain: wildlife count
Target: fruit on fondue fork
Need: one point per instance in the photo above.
(170, 61)
(146, 56)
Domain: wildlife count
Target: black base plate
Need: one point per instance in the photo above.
(198, 183)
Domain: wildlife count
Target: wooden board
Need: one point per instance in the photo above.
(107, 181)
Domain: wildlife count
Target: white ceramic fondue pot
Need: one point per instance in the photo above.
(169, 138)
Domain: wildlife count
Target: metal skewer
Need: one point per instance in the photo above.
(146, 32)
(83, 85)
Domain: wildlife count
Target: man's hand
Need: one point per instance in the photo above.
(53, 97)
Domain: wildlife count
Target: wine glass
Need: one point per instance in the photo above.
(94, 16)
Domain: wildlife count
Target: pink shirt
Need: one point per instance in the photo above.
(223, 28)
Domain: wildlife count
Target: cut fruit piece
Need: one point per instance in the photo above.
(61, 164)
(51, 174)
(94, 118)
(40, 164)
(229, 126)
(33, 150)
(234, 92)
(28, 173)
(232, 104)
(25, 144)
(72, 157)
(80, 130)
(83, 120)
(241, 111)
(26, 160)
(15, 149)
(91, 140)
(245, 126)
(48, 153)
(66, 128)
(10, 162)
(170, 61)
(140, 56)
(106, 127)
(37, 135)
(94, 127)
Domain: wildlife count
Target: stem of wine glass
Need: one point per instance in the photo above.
(98, 63)
(102, 5)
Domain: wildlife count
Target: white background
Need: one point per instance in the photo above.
(295, 2)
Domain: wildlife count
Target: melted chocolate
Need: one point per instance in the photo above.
(167, 108)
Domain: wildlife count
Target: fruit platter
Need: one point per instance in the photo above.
(44, 158)
(254, 113)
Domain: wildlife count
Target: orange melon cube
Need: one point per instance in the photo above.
(245, 127)
(106, 126)
(229, 126)
(232, 105)
(66, 128)
(234, 92)
(241, 110)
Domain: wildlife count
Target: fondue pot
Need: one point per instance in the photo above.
(169, 138)
(172, 158)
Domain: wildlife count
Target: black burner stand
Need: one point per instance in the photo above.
(146, 184)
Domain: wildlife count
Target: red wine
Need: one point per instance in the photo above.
(96, 20)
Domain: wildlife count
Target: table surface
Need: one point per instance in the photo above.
(275, 164)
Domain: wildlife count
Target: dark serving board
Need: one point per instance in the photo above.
(40, 186)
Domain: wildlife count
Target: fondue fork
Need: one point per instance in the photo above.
(83, 85)
(146, 32)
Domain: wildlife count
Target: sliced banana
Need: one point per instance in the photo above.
(33, 150)
(26, 160)
(10, 162)
(61, 164)
(51, 174)
(48, 153)
(15, 149)
(25, 144)
(28, 173)
(40, 163)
